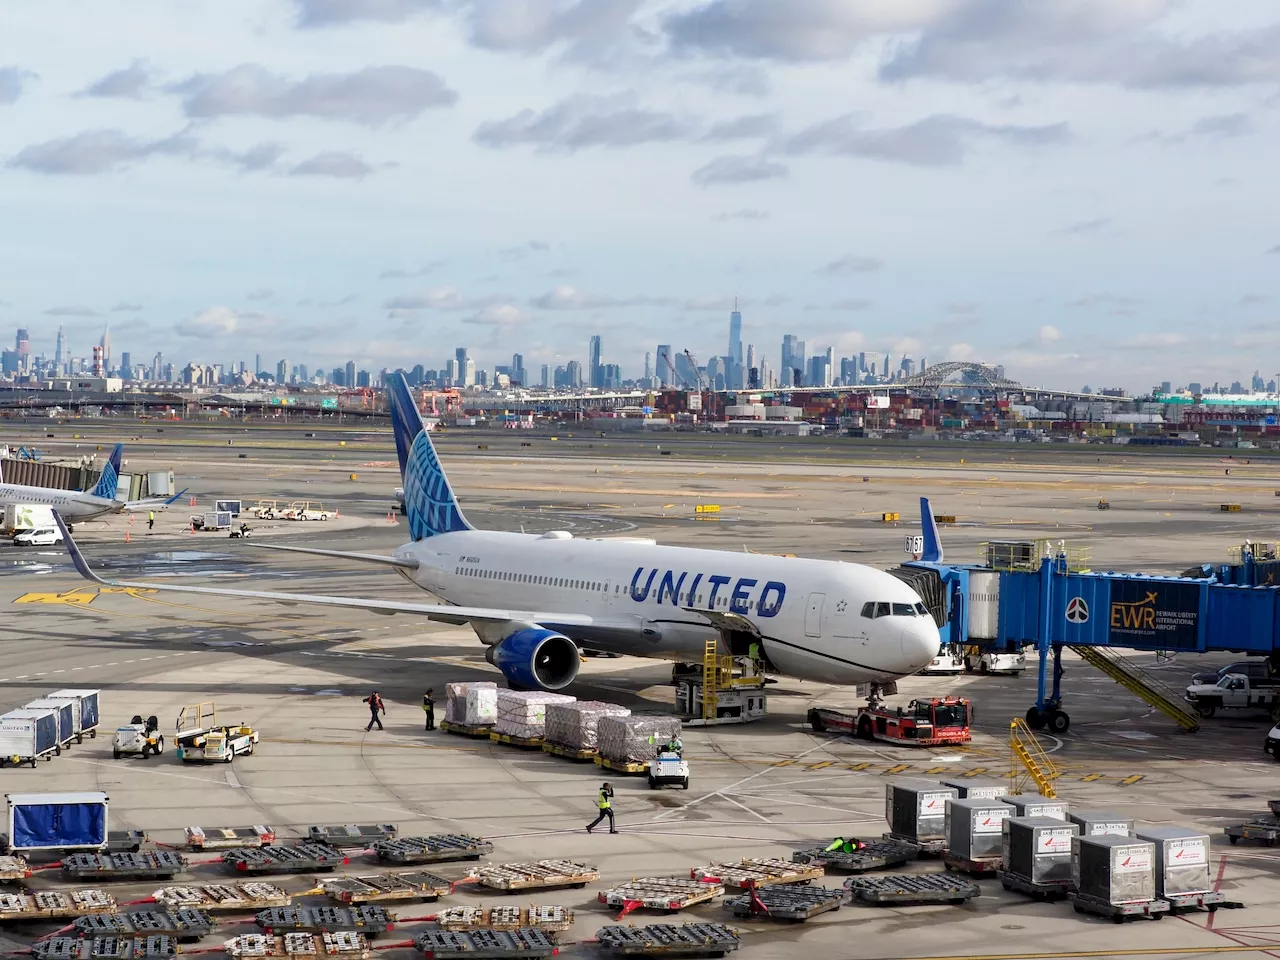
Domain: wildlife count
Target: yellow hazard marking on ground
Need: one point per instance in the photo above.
(933, 771)
(821, 764)
(75, 597)
(856, 767)
(1092, 777)
(1130, 781)
(974, 772)
(900, 768)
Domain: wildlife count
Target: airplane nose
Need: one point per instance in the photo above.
(920, 644)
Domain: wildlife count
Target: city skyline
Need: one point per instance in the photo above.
(1080, 192)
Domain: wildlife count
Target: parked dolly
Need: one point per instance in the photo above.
(794, 904)
(156, 947)
(549, 919)
(536, 875)
(340, 945)
(868, 855)
(343, 836)
(669, 940)
(668, 769)
(54, 904)
(222, 896)
(138, 738)
(438, 848)
(182, 925)
(381, 887)
(158, 865)
(299, 858)
(482, 944)
(370, 921)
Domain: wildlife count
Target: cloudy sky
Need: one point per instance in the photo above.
(1083, 190)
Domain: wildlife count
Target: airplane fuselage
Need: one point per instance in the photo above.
(816, 619)
(72, 504)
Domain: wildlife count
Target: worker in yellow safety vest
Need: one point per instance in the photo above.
(757, 659)
(605, 802)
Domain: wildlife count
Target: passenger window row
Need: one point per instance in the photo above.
(530, 578)
(873, 610)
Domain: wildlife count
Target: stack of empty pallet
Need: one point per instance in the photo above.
(628, 741)
(573, 728)
(522, 714)
(471, 704)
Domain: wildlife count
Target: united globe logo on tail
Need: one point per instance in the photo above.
(428, 499)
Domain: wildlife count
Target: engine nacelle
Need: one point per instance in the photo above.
(536, 659)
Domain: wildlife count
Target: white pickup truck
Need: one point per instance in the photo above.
(1232, 692)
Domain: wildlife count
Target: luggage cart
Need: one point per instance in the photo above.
(105, 948)
(343, 945)
(1211, 900)
(536, 875)
(525, 743)
(570, 753)
(1040, 891)
(12, 869)
(669, 940)
(1265, 830)
(875, 855)
(912, 889)
(984, 867)
(183, 925)
(110, 867)
(229, 838)
(623, 766)
(370, 921)
(438, 848)
(485, 944)
(351, 835)
(548, 919)
(930, 848)
(126, 841)
(477, 731)
(385, 887)
(299, 858)
(668, 894)
(795, 904)
(54, 904)
(1119, 912)
(758, 872)
(223, 896)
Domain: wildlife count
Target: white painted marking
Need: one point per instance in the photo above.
(59, 671)
(1134, 734)
(23, 677)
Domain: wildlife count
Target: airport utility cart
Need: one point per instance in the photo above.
(138, 738)
(485, 944)
(668, 769)
(351, 835)
(109, 867)
(438, 848)
(669, 940)
(201, 739)
(536, 875)
(936, 722)
(299, 858)
(551, 919)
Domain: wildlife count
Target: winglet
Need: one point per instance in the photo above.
(932, 543)
(82, 565)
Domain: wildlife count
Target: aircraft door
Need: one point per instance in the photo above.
(813, 616)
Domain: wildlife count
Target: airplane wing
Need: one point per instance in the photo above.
(137, 506)
(407, 564)
(443, 613)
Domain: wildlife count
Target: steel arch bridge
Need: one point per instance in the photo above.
(955, 373)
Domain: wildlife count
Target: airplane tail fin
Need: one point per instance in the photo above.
(932, 543)
(428, 499)
(110, 479)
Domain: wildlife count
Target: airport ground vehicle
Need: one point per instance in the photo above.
(1233, 692)
(233, 507)
(977, 660)
(265, 509)
(1272, 743)
(947, 661)
(668, 770)
(305, 510)
(138, 738)
(1257, 671)
(201, 739)
(213, 520)
(39, 537)
(23, 517)
(921, 723)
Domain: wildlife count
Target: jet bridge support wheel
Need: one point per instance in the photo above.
(1059, 721)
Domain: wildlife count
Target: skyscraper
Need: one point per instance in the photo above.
(663, 367)
(257, 364)
(735, 335)
(596, 372)
(885, 374)
(793, 364)
(546, 376)
(349, 374)
(517, 369)
(648, 366)
(126, 366)
(59, 349)
(282, 371)
(468, 373)
(106, 348)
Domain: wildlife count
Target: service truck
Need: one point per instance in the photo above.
(935, 722)
(1234, 691)
(27, 516)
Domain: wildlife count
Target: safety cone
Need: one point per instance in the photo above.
(131, 519)
(126, 536)
(193, 502)
(389, 520)
(191, 529)
(337, 514)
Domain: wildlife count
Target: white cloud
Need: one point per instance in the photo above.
(210, 323)
(1050, 334)
(961, 352)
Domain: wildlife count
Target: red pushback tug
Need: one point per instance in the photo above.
(936, 722)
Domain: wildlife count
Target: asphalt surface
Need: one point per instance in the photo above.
(298, 675)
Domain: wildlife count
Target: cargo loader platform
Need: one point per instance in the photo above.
(912, 889)
(54, 905)
(478, 731)
(105, 948)
(511, 740)
(485, 944)
(875, 855)
(1119, 912)
(438, 848)
(794, 904)
(536, 875)
(223, 896)
(183, 925)
(669, 940)
(351, 835)
(229, 838)
(668, 894)
(386, 887)
(627, 767)
(370, 921)
(300, 858)
(757, 872)
(549, 919)
(109, 867)
(343, 945)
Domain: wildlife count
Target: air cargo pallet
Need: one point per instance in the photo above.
(757, 872)
(223, 896)
(299, 858)
(924, 848)
(985, 867)
(795, 904)
(184, 924)
(54, 904)
(1041, 891)
(370, 921)
(526, 743)
(572, 753)
(876, 855)
(669, 940)
(660, 893)
(1119, 912)
(536, 875)
(547, 919)
(342, 945)
(158, 865)
(437, 848)
(1263, 829)
(379, 887)
(349, 835)
(479, 731)
(104, 948)
(1209, 900)
(229, 838)
(13, 869)
(485, 944)
(912, 889)
(622, 766)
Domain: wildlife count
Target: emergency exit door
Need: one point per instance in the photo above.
(813, 616)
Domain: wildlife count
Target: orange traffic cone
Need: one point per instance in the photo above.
(131, 518)
(191, 529)
(126, 536)
(337, 514)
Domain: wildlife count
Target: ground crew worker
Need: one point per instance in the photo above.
(604, 800)
(841, 845)
(757, 661)
(429, 708)
(375, 707)
(675, 745)
(151, 519)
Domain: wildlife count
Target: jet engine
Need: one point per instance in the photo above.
(536, 659)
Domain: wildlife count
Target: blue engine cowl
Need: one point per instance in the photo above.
(536, 659)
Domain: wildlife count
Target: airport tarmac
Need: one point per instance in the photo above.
(299, 675)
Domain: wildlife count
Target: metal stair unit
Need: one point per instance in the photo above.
(710, 678)
(1142, 685)
(1025, 750)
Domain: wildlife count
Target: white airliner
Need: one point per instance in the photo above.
(535, 599)
(77, 505)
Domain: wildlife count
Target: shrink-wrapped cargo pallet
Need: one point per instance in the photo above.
(627, 739)
(473, 704)
(523, 713)
(576, 725)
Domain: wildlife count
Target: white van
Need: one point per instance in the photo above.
(39, 537)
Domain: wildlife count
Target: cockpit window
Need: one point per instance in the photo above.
(922, 610)
(869, 610)
(903, 610)
(882, 609)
